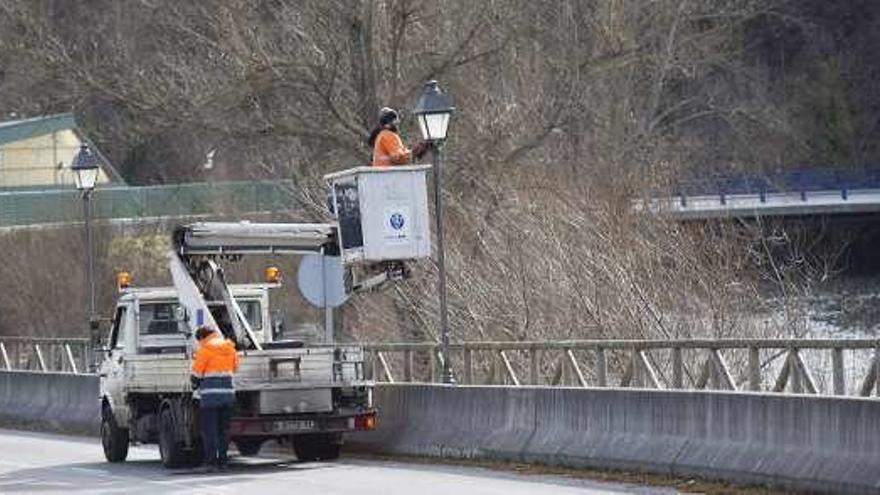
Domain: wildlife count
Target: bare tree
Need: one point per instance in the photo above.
(567, 110)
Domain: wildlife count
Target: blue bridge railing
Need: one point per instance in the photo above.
(801, 180)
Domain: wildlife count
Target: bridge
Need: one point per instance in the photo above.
(790, 413)
(798, 192)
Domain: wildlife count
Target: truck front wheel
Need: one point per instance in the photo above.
(170, 449)
(113, 438)
(317, 446)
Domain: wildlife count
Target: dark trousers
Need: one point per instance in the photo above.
(215, 433)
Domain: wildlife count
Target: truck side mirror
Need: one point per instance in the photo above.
(180, 314)
(182, 317)
(97, 337)
(277, 324)
(99, 345)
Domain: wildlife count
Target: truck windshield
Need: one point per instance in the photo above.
(160, 317)
(252, 313)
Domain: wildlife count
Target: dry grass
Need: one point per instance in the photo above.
(681, 484)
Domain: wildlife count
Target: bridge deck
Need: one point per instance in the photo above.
(768, 204)
(800, 192)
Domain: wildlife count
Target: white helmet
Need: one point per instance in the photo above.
(388, 115)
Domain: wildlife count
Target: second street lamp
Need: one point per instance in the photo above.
(432, 112)
(85, 168)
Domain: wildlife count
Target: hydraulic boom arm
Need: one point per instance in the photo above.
(199, 278)
(230, 238)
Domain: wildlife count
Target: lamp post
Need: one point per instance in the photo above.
(85, 168)
(432, 112)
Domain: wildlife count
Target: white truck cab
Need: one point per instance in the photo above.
(147, 322)
(305, 395)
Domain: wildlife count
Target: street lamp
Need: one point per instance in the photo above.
(432, 112)
(85, 168)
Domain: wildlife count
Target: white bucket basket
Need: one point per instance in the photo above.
(382, 213)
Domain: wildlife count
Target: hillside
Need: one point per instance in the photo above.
(565, 111)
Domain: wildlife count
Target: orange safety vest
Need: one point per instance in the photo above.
(214, 363)
(389, 150)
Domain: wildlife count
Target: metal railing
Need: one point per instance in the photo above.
(812, 366)
(45, 354)
(801, 180)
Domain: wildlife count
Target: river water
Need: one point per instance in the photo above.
(847, 308)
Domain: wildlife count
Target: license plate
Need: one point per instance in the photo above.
(293, 425)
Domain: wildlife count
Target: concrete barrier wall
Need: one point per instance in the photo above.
(50, 401)
(818, 444)
(802, 442)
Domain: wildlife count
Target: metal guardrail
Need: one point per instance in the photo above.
(812, 366)
(45, 354)
(29, 207)
(800, 180)
(863, 201)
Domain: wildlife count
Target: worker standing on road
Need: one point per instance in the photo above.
(214, 364)
(388, 148)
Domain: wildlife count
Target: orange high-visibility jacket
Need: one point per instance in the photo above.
(214, 363)
(389, 150)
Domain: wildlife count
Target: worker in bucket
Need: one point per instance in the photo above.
(388, 148)
(214, 363)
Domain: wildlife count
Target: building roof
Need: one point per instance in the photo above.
(16, 130)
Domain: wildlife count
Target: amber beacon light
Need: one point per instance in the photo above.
(273, 275)
(123, 280)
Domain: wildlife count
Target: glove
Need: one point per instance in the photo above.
(195, 382)
(420, 149)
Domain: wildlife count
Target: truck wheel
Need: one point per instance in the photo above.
(195, 456)
(113, 438)
(170, 449)
(249, 446)
(317, 447)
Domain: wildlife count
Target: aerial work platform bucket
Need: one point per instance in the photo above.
(382, 213)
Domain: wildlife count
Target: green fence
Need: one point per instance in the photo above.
(64, 205)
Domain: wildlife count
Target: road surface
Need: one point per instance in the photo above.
(47, 464)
